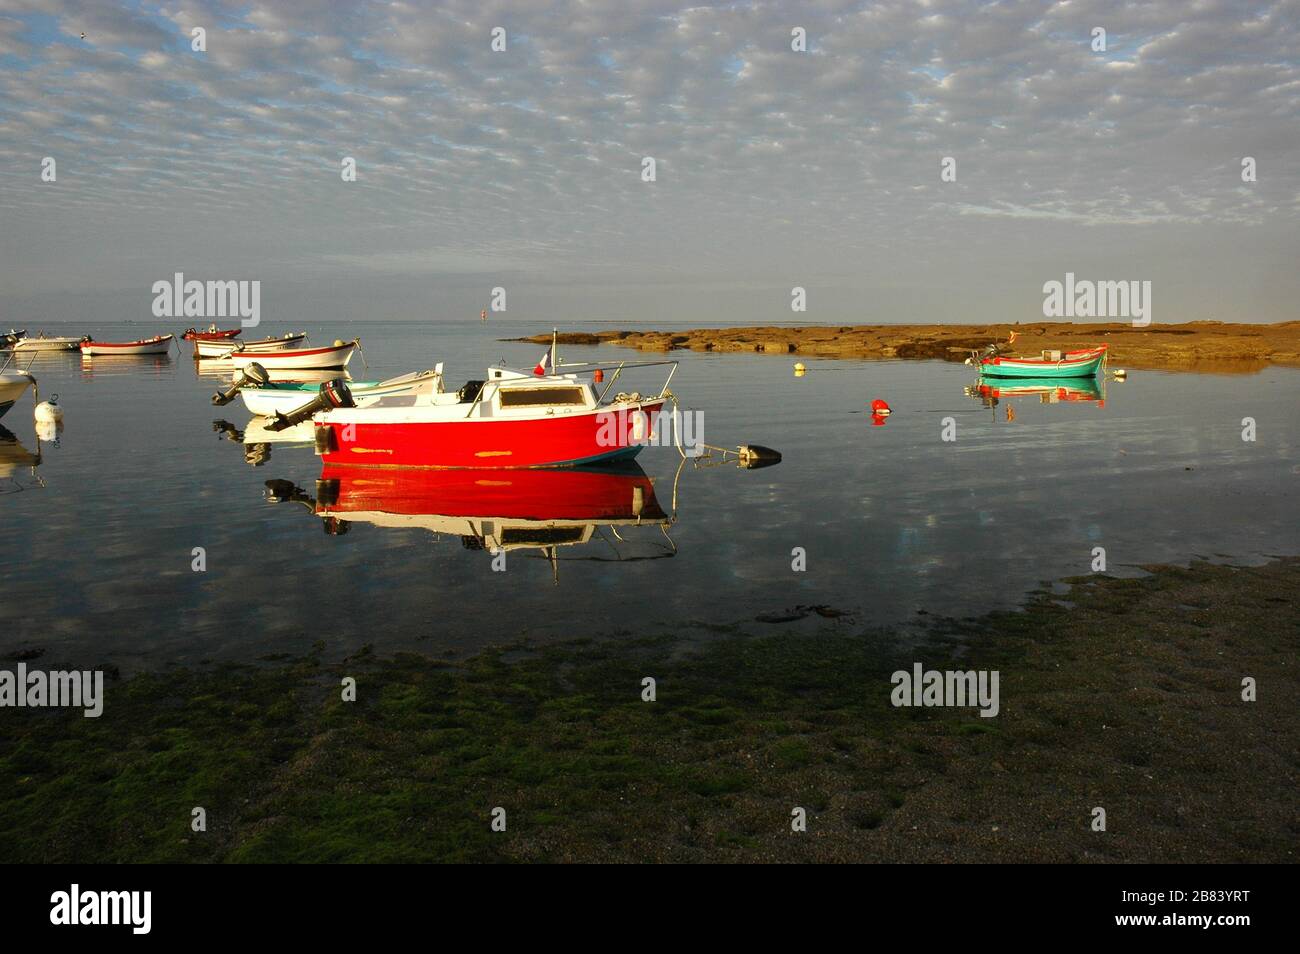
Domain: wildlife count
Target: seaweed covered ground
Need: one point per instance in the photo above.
(1124, 695)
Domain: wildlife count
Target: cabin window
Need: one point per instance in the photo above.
(536, 397)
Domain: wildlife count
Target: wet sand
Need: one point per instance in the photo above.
(1195, 346)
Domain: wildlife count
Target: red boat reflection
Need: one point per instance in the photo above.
(497, 511)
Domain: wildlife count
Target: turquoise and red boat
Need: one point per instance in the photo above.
(1084, 363)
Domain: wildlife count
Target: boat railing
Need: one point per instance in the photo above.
(619, 367)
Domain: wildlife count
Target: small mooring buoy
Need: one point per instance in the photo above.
(49, 412)
(1120, 373)
(799, 369)
(878, 406)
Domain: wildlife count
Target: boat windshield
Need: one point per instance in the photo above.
(534, 397)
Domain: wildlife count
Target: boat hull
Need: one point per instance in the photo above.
(12, 387)
(224, 348)
(571, 440)
(47, 344)
(160, 345)
(333, 357)
(286, 398)
(211, 335)
(1073, 364)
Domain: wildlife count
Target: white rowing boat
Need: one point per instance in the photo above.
(335, 356)
(224, 347)
(285, 397)
(158, 344)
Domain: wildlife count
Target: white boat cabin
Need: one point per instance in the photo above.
(504, 395)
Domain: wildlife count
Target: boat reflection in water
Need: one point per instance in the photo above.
(101, 365)
(498, 512)
(257, 440)
(15, 458)
(990, 391)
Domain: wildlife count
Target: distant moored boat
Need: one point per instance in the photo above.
(1050, 364)
(159, 344)
(212, 334)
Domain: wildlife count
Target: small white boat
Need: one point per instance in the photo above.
(224, 347)
(335, 356)
(12, 386)
(7, 338)
(159, 344)
(42, 343)
(286, 397)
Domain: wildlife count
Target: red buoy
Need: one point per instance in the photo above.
(599, 375)
(879, 407)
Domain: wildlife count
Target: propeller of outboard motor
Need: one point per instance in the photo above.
(333, 394)
(254, 374)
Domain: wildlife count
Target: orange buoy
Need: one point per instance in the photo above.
(598, 376)
(880, 407)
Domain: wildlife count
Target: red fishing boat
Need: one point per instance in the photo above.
(512, 419)
(212, 334)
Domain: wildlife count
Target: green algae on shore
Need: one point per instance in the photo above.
(1130, 700)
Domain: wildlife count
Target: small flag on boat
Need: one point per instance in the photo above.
(548, 361)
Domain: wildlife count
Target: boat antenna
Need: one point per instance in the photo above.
(555, 354)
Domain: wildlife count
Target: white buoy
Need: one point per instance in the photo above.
(49, 412)
(799, 369)
(1120, 373)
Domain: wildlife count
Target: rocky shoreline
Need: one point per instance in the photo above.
(1213, 346)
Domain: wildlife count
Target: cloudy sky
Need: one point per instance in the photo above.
(775, 168)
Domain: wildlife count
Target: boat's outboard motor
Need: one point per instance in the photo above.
(753, 456)
(469, 393)
(333, 394)
(253, 375)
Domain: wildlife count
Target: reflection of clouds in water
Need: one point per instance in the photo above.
(893, 520)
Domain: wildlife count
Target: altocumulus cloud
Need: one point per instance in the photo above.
(775, 168)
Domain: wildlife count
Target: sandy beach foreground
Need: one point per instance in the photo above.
(1195, 346)
(1126, 696)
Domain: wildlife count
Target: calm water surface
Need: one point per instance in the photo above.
(96, 542)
